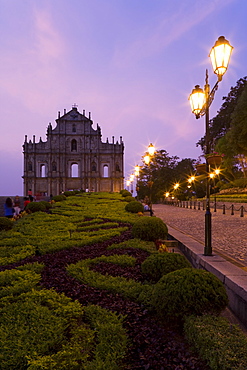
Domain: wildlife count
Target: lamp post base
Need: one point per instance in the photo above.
(208, 233)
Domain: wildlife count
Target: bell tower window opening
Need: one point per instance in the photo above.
(73, 127)
(74, 145)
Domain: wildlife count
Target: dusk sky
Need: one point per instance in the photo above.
(131, 63)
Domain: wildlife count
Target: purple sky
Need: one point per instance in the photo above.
(131, 63)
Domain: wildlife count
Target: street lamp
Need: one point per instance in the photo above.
(147, 159)
(137, 172)
(190, 181)
(200, 101)
(151, 150)
(132, 176)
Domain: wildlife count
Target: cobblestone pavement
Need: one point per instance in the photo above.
(229, 232)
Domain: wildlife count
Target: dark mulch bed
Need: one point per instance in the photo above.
(153, 346)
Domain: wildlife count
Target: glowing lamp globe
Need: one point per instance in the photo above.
(220, 56)
(146, 159)
(197, 100)
(151, 149)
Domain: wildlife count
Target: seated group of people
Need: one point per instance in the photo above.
(13, 207)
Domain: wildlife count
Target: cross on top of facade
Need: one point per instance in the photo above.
(74, 105)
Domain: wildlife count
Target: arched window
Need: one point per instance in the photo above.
(117, 167)
(73, 145)
(42, 170)
(74, 170)
(94, 168)
(74, 128)
(30, 166)
(54, 166)
(105, 171)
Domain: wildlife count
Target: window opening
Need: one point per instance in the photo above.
(74, 170)
(73, 145)
(105, 170)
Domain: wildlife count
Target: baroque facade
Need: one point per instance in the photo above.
(73, 157)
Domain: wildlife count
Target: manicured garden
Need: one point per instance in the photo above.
(82, 286)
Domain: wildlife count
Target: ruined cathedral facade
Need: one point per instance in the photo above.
(73, 157)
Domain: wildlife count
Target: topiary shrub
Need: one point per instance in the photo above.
(159, 264)
(5, 223)
(125, 193)
(188, 292)
(134, 207)
(149, 228)
(59, 198)
(69, 193)
(46, 204)
(129, 198)
(36, 207)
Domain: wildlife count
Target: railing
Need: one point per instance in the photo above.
(201, 205)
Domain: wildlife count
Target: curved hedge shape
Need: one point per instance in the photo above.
(36, 207)
(129, 198)
(189, 292)
(125, 193)
(5, 224)
(134, 207)
(222, 345)
(149, 228)
(159, 264)
(59, 198)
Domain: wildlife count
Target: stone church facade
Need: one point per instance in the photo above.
(73, 157)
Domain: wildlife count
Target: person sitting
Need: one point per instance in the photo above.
(17, 206)
(26, 201)
(8, 208)
(147, 208)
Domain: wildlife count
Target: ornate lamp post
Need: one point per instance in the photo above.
(137, 172)
(200, 101)
(147, 158)
(132, 176)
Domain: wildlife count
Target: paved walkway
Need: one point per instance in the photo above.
(229, 232)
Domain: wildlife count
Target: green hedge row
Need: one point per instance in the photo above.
(222, 345)
(33, 321)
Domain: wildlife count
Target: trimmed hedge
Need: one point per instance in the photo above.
(129, 198)
(41, 325)
(134, 207)
(159, 264)
(5, 223)
(59, 198)
(36, 207)
(222, 345)
(125, 193)
(149, 228)
(189, 292)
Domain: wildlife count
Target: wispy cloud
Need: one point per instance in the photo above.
(171, 24)
(49, 45)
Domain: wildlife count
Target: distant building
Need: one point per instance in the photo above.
(73, 157)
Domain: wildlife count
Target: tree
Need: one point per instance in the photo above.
(162, 173)
(221, 123)
(235, 140)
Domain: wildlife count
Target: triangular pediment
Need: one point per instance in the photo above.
(74, 115)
